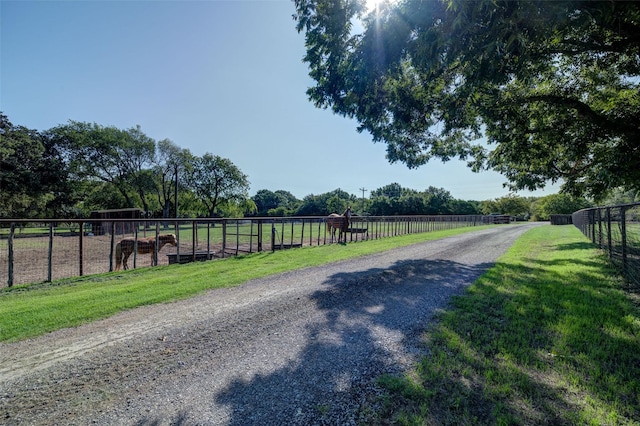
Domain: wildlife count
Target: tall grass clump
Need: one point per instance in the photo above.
(547, 336)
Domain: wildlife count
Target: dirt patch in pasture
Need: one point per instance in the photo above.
(31, 257)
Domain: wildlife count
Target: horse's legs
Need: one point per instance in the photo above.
(153, 258)
(124, 261)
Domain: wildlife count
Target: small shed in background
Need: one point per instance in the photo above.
(561, 219)
(103, 226)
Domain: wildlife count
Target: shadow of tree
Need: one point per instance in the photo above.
(181, 419)
(531, 345)
(371, 325)
(576, 245)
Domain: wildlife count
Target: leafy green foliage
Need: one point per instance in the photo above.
(278, 203)
(553, 86)
(216, 180)
(511, 205)
(108, 154)
(558, 204)
(335, 201)
(33, 181)
(74, 168)
(393, 199)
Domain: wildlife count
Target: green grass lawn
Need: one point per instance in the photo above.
(34, 309)
(547, 336)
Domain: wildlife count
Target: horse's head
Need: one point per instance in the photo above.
(168, 239)
(347, 213)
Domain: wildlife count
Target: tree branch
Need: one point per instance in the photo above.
(587, 112)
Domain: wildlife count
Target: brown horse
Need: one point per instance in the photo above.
(145, 245)
(340, 223)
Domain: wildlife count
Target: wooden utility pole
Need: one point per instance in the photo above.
(363, 190)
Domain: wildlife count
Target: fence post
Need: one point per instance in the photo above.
(224, 237)
(350, 229)
(208, 239)
(600, 227)
(291, 243)
(113, 240)
(251, 236)
(324, 221)
(623, 231)
(12, 229)
(50, 254)
(155, 246)
(609, 245)
(237, 236)
(177, 227)
(194, 238)
(135, 247)
(81, 246)
(282, 235)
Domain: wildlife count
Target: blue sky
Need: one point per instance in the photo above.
(224, 77)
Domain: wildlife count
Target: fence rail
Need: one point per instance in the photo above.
(616, 230)
(45, 250)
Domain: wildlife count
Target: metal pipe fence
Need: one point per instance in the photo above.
(616, 230)
(46, 250)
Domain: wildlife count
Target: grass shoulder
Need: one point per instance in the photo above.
(546, 336)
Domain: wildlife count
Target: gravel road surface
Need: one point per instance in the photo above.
(303, 347)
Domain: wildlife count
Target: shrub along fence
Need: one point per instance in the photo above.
(34, 251)
(615, 229)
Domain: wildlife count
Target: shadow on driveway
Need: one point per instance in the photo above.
(372, 325)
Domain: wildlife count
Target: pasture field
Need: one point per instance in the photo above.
(546, 336)
(36, 255)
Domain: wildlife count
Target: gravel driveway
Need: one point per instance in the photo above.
(303, 347)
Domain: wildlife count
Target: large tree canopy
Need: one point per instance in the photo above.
(108, 154)
(552, 86)
(171, 166)
(216, 180)
(33, 181)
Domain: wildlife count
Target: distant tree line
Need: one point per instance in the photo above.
(393, 199)
(72, 169)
